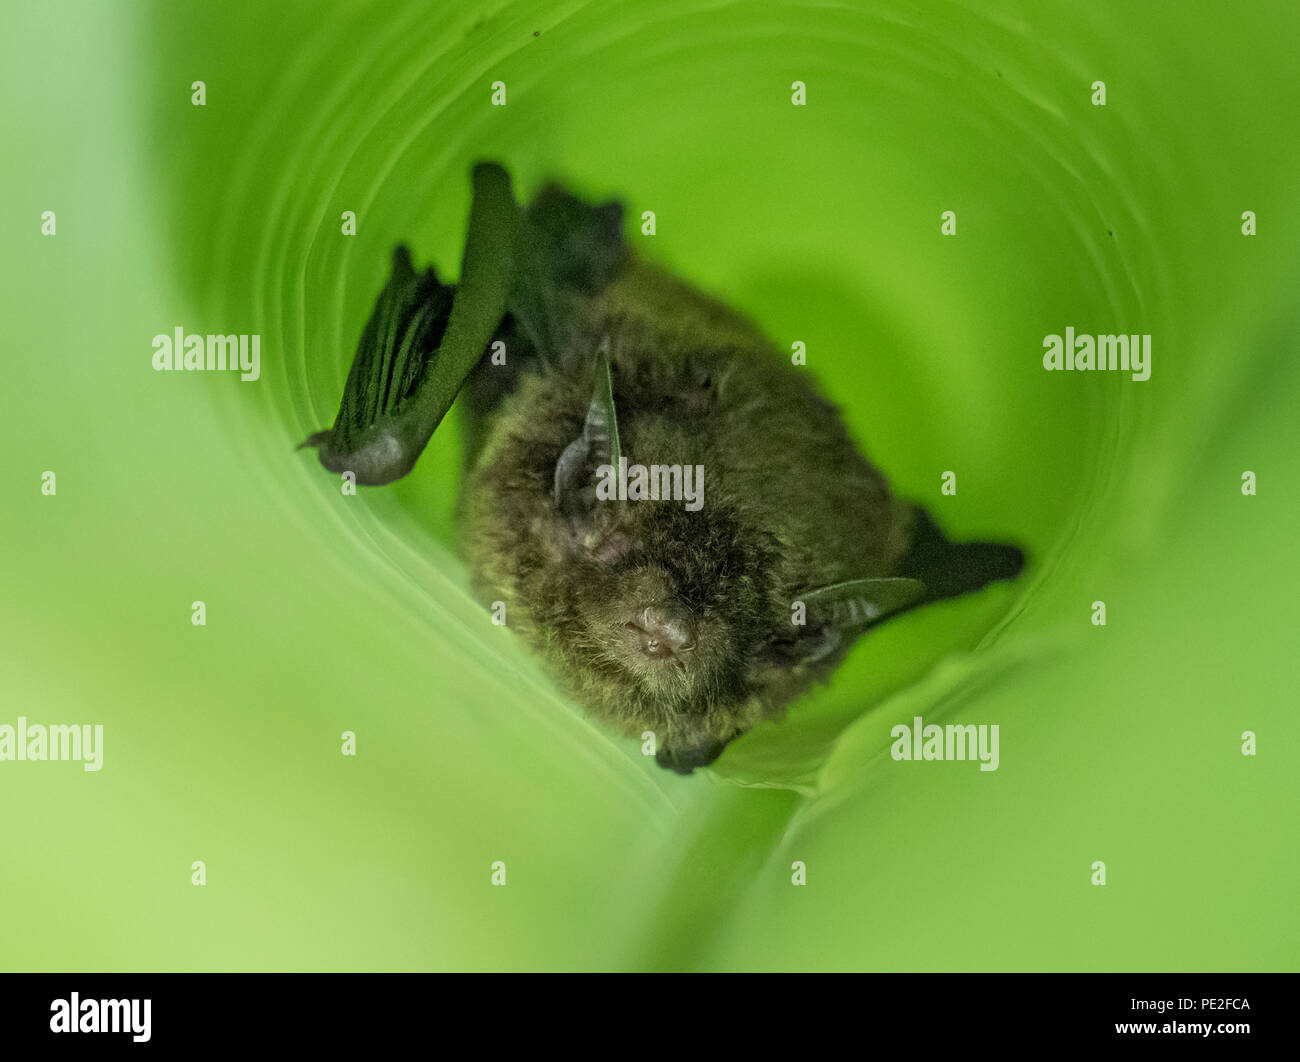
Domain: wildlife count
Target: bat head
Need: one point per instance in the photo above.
(656, 613)
(669, 603)
(660, 615)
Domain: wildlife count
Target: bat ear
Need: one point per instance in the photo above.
(594, 455)
(827, 619)
(860, 602)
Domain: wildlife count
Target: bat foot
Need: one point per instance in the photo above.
(684, 760)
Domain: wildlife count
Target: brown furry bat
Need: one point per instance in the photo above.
(673, 516)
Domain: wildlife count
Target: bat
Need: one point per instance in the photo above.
(673, 516)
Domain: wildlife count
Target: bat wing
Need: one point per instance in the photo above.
(421, 341)
(520, 273)
(949, 568)
(570, 248)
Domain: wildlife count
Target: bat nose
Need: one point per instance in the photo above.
(664, 632)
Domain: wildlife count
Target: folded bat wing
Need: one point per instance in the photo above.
(424, 338)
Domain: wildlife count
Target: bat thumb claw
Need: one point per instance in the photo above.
(315, 439)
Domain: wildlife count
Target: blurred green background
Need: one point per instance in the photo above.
(328, 613)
